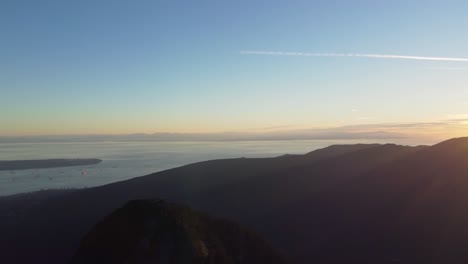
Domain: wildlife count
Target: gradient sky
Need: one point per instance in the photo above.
(116, 67)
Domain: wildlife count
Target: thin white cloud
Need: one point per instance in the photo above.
(448, 68)
(360, 55)
(456, 116)
(279, 127)
(361, 118)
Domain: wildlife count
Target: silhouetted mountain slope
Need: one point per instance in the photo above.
(422, 203)
(342, 204)
(153, 231)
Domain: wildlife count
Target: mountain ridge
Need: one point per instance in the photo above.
(370, 205)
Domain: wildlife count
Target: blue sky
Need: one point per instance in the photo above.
(116, 67)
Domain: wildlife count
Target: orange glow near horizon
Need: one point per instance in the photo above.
(436, 130)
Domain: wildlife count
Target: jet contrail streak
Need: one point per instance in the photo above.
(360, 55)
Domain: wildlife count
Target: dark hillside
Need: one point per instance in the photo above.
(342, 204)
(153, 231)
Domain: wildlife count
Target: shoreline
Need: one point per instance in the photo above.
(12, 165)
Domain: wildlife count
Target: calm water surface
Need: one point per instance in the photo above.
(125, 160)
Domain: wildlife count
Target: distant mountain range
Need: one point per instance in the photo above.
(341, 204)
(305, 134)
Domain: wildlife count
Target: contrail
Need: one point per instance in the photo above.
(374, 56)
(448, 68)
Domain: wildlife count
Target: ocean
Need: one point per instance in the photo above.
(125, 160)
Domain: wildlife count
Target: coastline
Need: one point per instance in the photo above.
(11, 165)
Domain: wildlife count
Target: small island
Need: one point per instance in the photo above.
(46, 163)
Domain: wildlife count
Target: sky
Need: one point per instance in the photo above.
(121, 66)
